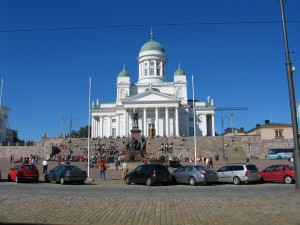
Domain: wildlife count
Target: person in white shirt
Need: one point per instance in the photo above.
(45, 165)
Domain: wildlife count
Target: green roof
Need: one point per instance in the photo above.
(152, 45)
(124, 73)
(179, 72)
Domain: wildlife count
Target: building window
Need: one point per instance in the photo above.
(191, 119)
(158, 72)
(113, 120)
(145, 72)
(278, 134)
(113, 132)
(1, 121)
(151, 71)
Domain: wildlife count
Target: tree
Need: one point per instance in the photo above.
(82, 133)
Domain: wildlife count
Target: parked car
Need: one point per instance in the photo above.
(194, 174)
(278, 173)
(238, 173)
(149, 174)
(66, 173)
(23, 172)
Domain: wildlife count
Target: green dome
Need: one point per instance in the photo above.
(179, 72)
(152, 45)
(124, 73)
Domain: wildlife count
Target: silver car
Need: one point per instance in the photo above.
(194, 174)
(238, 173)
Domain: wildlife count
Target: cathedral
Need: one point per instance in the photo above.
(162, 108)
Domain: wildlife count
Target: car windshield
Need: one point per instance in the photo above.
(74, 168)
(251, 167)
(28, 167)
(201, 168)
(290, 167)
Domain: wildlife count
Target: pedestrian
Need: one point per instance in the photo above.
(207, 162)
(125, 169)
(102, 169)
(116, 162)
(211, 163)
(45, 166)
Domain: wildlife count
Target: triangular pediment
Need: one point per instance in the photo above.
(151, 96)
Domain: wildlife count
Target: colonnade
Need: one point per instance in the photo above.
(118, 124)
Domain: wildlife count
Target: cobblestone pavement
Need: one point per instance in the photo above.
(111, 202)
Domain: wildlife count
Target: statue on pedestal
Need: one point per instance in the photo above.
(135, 119)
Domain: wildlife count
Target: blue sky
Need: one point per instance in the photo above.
(46, 72)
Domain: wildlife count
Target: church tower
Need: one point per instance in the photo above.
(152, 63)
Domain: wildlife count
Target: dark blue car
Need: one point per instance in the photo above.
(65, 174)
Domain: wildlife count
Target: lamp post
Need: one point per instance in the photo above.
(70, 134)
(222, 127)
(289, 71)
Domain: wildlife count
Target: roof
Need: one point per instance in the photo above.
(152, 45)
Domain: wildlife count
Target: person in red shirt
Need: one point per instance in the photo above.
(102, 169)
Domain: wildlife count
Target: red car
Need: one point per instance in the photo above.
(279, 173)
(23, 172)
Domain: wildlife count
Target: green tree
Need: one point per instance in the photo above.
(82, 133)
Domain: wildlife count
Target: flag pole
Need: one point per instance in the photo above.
(195, 141)
(89, 119)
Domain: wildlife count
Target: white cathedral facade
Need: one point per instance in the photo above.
(163, 107)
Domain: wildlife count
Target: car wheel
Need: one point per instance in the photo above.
(174, 181)
(47, 179)
(62, 181)
(192, 181)
(236, 180)
(8, 178)
(17, 179)
(279, 157)
(127, 180)
(288, 179)
(149, 181)
(81, 182)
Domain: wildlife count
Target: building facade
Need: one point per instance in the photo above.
(163, 107)
(4, 134)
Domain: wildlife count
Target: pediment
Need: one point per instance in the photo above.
(151, 96)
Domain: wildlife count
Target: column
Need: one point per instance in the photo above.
(213, 124)
(156, 121)
(176, 122)
(145, 122)
(167, 121)
(93, 128)
(187, 124)
(109, 126)
(125, 122)
(101, 127)
(117, 125)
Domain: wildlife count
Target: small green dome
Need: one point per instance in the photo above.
(152, 45)
(179, 72)
(124, 73)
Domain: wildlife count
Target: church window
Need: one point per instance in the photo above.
(146, 72)
(158, 72)
(113, 120)
(151, 71)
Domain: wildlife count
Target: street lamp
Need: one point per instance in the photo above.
(222, 125)
(290, 70)
(71, 124)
